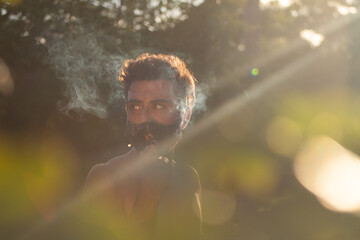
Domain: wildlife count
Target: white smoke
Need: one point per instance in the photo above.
(201, 93)
(89, 72)
(89, 66)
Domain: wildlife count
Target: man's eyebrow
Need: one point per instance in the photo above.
(161, 101)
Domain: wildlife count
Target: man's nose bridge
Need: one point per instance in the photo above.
(146, 115)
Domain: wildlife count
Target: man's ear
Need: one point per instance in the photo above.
(185, 117)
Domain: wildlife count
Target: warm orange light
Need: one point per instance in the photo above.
(330, 172)
(6, 81)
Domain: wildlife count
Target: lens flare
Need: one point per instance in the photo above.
(255, 72)
(331, 173)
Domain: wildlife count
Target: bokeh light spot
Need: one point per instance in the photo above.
(52, 181)
(283, 136)
(250, 173)
(218, 207)
(331, 173)
(315, 39)
(279, 3)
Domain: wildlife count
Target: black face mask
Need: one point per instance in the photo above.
(147, 133)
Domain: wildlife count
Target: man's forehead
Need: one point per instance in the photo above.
(152, 89)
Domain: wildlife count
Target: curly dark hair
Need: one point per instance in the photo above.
(150, 67)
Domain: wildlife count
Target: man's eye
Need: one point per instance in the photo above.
(134, 107)
(159, 107)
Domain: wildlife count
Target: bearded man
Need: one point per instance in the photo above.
(151, 193)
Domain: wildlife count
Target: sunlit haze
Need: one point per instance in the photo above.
(281, 3)
(315, 39)
(271, 145)
(343, 9)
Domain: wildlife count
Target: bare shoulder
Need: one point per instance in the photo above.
(186, 170)
(121, 160)
(104, 170)
(187, 190)
(187, 176)
(99, 171)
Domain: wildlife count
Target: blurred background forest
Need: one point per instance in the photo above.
(271, 75)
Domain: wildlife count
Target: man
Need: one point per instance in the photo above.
(146, 188)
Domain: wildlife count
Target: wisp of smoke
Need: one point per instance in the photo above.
(89, 72)
(201, 93)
